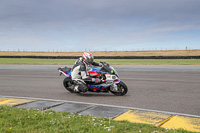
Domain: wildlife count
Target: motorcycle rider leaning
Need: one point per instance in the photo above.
(80, 75)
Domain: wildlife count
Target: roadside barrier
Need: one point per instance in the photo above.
(106, 57)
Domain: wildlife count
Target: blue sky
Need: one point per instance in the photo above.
(79, 25)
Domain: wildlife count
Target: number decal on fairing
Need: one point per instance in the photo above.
(108, 77)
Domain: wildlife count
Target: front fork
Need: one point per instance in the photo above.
(114, 86)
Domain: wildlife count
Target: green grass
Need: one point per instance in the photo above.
(110, 61)
(18, 120)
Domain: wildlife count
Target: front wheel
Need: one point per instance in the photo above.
(122, 89)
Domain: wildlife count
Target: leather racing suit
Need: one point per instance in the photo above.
(80, 75)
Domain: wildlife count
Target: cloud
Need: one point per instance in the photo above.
(96, 23)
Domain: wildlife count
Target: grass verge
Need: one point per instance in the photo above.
(20, 120)
(110, 61)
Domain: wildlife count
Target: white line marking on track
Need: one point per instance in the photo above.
(131, 108)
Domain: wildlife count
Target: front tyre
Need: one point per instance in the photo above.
(68, 84)
(122, 89)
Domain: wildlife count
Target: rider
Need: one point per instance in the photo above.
(80, 73)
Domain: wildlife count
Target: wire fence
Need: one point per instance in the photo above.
(95, 50)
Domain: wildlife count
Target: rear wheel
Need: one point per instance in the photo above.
(122, 89)
(68, 84)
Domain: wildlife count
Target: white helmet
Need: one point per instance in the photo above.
(88, 58)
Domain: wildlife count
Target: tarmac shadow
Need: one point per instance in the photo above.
(94, 94)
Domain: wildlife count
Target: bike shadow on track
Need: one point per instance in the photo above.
(90, 94)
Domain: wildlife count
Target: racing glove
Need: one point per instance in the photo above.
(100, 64)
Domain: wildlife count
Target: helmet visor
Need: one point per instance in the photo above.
(90, 60)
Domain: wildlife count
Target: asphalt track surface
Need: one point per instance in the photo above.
(173, 88)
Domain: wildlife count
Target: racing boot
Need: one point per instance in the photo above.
(80, 87)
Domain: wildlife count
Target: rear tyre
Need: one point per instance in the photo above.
(122, 89)
(68, 84)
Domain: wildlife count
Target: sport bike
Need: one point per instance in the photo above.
(108, 75)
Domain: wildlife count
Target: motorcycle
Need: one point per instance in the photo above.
(108, 75)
